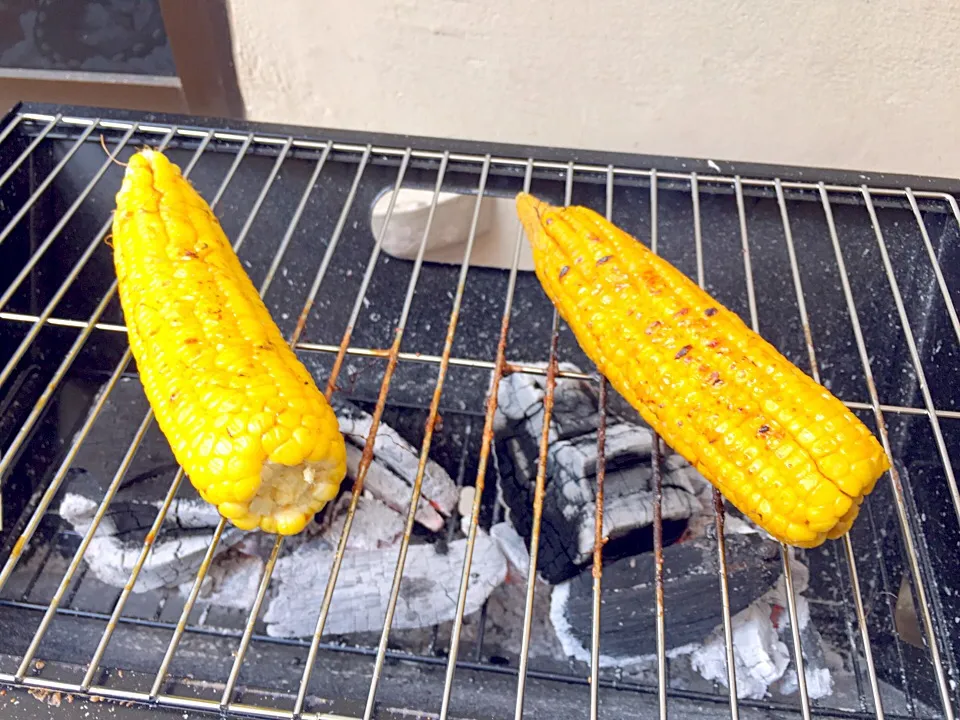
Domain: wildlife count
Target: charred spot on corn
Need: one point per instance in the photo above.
(604, 259)
(710, 312)
(683, 352)
(563, 271)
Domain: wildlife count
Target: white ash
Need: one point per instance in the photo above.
(393, 490)
(395, 453)
(512, 547)
(231, 582)
(762, 646)
(375, 526)
(428, 592)
(171, 562)
(187, 529)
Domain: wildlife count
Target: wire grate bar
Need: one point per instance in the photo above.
(599, 538)
(58, 228)
(51, 176)
(539, 490)
(454, 361)
(485, 445)
(29, 149)
(894, 474)
(784, 550)
(431, 418)
(506, 161)
(414, 357)
(656, 463)
(368, 449)
(815, 373)
(718, 506)
(10, 127)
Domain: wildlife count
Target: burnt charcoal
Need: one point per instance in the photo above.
(568, 522)
(628, 619)
(428, 592)
(188, 527)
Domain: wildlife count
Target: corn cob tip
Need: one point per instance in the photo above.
(529, 208)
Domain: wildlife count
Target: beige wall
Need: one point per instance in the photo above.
(858, 84)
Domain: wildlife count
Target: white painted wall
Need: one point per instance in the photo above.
(861, 84)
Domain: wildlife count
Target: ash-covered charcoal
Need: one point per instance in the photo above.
(691, 588)
(398, 462)
(428, 592)
(185, 534)
(567, 529)
(374, 525)
(763, 646)
(188, 527)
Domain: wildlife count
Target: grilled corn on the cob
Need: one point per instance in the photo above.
(775, 443)
(241, 413)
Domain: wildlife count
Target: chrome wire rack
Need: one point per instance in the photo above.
(855, 279)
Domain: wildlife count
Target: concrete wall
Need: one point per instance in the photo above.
(834, 83)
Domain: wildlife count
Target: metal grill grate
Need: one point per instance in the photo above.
(855, 283)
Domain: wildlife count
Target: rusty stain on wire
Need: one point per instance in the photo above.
(538, 495)
(434, 420)
(367, 450)
(656, 459)
(486, 443)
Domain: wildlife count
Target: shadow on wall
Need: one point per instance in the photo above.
(154, 55)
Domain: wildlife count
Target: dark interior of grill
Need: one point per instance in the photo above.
(57, 168)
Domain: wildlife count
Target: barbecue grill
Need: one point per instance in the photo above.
(852, 276)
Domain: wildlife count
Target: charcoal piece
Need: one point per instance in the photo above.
(428, 592)
(691, 597)
(185, 534)
(567, 527)
(397, 456)
(183, 537)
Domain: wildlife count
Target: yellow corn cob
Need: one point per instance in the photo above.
(775, 443)
(241, 413)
